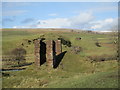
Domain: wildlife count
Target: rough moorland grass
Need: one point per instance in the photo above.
(76, 70)
(57, 78)
(14, 39)
(98, 80)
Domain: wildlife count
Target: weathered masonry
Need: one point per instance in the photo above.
(46, 51)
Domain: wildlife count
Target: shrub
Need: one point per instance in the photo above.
(19, 54)
(97, 44)
(65, 42)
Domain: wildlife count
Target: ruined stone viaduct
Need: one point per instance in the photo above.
(46, 51)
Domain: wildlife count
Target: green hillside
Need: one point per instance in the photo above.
(93, 65)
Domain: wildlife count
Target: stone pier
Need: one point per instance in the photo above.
(58, 46)
(37, 52)
(49, 52)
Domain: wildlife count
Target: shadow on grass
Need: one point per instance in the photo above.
(58, 59)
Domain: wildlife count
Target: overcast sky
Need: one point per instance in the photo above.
(78, 15)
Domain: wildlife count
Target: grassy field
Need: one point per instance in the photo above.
(75, 70)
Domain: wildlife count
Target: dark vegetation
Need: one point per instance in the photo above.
(5, 74)
(65, 42)
(19, 54)
(97, 44)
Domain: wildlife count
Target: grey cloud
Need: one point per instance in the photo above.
(6, 20)
(28, 20)
(38, 22)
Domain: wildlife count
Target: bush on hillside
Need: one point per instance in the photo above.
(18, 54)
(65, 42)
(97, 44)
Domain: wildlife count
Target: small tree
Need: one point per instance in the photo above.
(19, 54)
